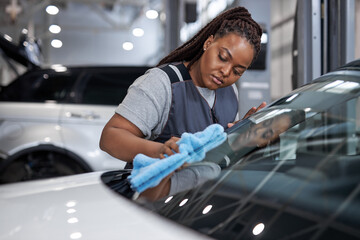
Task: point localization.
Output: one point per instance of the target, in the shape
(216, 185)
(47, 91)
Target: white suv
(51, 119)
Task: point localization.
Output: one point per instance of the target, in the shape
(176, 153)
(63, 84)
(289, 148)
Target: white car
(290, 171)
(78, 207)
(51, 118)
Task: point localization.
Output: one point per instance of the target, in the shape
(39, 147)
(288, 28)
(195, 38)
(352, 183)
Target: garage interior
(94, 32)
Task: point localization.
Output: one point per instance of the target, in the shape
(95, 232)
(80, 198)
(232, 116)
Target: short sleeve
(147, 102)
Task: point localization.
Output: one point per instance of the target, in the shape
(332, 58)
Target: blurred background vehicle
(51, 118)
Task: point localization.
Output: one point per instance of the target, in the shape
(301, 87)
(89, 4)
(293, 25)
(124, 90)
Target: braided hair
(236, 20)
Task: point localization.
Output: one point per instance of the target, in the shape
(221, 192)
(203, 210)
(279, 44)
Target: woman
(190, 89)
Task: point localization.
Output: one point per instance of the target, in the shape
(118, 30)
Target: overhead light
(264, 38)
(59, 68)
(7, 37)
(215, 7)
(138, 32)
(128, 46)
(152, 14)
(56, 43)
(55, 29)
(52, 10)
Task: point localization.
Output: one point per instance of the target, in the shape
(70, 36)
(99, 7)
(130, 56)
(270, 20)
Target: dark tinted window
(39, 87)
(109, 88)
(55, 88)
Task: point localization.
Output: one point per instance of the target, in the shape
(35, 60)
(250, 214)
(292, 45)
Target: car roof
(354, 65)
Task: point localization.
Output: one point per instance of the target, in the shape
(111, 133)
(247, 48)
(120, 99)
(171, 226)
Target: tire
(39, 165)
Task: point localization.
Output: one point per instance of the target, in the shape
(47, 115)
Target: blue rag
(148, 172)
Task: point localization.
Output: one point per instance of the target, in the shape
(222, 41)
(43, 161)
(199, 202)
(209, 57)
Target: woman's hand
(169, 147)
(249, 113)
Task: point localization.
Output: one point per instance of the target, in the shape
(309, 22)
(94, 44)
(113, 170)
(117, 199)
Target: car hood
(79, 207)
(27, 52)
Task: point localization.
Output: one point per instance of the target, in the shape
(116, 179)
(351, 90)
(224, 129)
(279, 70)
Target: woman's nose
(226, 69)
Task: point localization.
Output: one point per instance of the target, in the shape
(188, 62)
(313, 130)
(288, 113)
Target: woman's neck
(194, 72)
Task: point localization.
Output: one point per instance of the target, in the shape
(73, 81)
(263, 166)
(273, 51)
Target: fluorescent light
(52, 10)
(7, 37)
(55, 29)
(56, 43)
(264, 38)
(152, 14)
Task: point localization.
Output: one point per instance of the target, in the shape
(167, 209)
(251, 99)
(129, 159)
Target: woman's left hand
(249, 113)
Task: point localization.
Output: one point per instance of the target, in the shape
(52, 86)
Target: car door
(99, 92)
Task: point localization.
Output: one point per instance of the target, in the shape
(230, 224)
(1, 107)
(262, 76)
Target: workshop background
(141, 32)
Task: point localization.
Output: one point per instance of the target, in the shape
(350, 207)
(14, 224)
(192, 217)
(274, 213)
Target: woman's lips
(217, 80)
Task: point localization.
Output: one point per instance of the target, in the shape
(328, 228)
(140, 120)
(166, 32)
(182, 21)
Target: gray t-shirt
(148, 101)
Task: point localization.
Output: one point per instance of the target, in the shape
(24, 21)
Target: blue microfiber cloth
(148, 172)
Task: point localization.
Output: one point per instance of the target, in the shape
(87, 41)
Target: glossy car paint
(74, 128)
(78, 207)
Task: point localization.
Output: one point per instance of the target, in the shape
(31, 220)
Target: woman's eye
(222, 58)
(237, 73)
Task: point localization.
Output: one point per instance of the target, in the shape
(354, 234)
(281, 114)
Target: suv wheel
(39, 165)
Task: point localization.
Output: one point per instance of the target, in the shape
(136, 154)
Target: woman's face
(224, 60)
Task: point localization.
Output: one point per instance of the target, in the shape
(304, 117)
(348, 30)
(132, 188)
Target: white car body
(74, 128)
(79, 207)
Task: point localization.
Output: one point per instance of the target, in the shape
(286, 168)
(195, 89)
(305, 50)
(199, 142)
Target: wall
(282, 27)
(357, 29)
(254, 85)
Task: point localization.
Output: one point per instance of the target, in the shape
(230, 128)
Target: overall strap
(172, 74)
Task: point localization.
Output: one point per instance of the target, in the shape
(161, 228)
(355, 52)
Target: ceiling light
(52, 10)
(138, 32)
(152, 14)
(56, 43)
(264, 38)
(55, 29)
(7, 37)
(128, 46)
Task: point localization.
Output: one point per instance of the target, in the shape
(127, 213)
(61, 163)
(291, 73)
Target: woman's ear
(208, 42)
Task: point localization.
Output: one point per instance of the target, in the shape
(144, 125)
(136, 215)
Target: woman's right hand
(169, 147)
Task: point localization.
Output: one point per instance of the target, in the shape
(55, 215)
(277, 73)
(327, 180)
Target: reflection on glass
(183, 202)
(168, 199)
(258, 229)
(70, 204)
(207, 209)
(73, 220)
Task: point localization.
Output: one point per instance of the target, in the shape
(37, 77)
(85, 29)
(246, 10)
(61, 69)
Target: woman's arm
(123, 140)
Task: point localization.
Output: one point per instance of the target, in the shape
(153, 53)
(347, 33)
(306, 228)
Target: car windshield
(291, 170)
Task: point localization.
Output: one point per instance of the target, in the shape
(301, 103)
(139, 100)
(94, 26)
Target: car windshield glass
(290, 171)
(294, 164)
